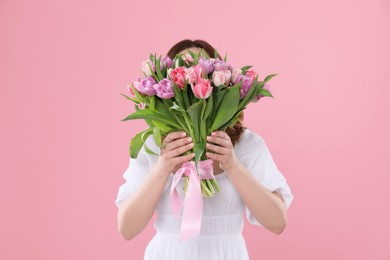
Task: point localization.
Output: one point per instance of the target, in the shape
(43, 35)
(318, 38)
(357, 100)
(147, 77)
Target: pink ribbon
(193, 201)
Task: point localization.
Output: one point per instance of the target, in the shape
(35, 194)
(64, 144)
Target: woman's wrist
(160, 170)
(234, 168)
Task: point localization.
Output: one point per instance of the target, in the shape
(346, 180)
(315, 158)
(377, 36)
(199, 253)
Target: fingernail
(212, 133)
(183, 133)
(189, 139)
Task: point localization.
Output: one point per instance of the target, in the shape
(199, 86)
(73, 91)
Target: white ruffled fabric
(222, 221)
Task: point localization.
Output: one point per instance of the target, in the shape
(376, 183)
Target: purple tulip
(245, 86)
(146, 86)
(221, 65)
(206, 64)
(166, 61)
(164, 89)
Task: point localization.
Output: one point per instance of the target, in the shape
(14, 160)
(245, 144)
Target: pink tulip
(202, 88)
(187, 57)
(221, 77)
(146, 69)
(135, 84)
(251, 74)
(178, 75)
(236, 72)
(193, 73)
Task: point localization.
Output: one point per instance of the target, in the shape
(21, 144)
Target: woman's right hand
(173, 145)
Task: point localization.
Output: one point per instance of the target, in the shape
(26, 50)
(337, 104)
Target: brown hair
(235, 131)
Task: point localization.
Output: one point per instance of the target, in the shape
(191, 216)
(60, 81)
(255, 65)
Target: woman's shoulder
(249, 137)
(249, 144)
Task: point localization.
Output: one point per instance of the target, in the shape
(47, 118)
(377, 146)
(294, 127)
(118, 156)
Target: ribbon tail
(193, 207)
(176, 203)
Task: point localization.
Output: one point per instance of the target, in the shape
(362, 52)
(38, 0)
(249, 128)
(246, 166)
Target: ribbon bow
(193, 201)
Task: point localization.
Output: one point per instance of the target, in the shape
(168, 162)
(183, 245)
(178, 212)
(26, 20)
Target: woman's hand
(173, 145)
(221, 144)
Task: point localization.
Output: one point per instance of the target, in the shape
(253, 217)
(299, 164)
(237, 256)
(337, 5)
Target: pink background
(64, 148)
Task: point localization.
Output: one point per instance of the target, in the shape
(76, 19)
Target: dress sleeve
(134, 175)
(258, 160)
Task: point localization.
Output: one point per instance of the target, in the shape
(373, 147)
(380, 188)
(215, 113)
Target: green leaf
(178, 94)
(176, 107)
(269, 77)
(158, 70)
(138, 141)
(139, 95)
(203, 121)
(227, 108)
(244, 69)
(147, 114)
(181, 61)
(197, 54)
(130, 98)
(145, 136)
(194, 113)
(157, 136)
(217, 99)
(230, 123)
(225, 59)
(215, 54)
(185, 96)
(209, 107)
(164, 128)
(149, 151)
(198, 150)
(136, 144)
(152, 71)
(152, 103)
(162, 107)
(265, 92)
(204, 53)
(191, 53)
(149, 122)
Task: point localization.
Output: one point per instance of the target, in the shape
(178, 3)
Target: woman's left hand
(221, 144)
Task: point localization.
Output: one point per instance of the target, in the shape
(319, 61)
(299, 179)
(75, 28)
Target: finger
(214, 156)
(179, 150)
(178, 143)
(174, 135)
(219, 140)
(171, 137)
(184, 158)
(220, 133)
(216, 148)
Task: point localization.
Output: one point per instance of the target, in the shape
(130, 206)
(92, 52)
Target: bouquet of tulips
(192, 93)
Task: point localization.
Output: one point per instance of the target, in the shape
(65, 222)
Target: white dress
(222, 221)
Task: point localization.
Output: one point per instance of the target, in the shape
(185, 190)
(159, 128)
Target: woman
(246, 174)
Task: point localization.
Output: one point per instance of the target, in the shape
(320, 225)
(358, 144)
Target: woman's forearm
(135, 213)
(265, 206)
